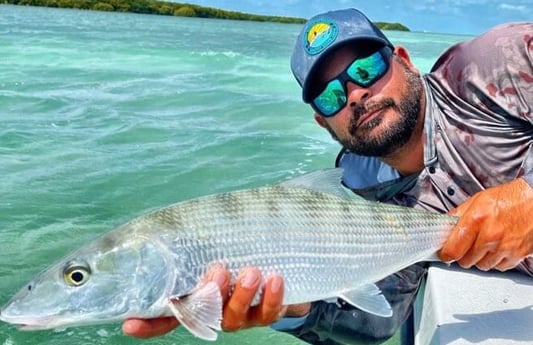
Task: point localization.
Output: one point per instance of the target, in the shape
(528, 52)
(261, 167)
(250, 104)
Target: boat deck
(458, 307)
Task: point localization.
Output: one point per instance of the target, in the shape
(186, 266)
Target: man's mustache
(363, 108)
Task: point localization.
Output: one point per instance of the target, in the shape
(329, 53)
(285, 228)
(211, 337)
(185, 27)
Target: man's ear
(320, 120)
(403, 54)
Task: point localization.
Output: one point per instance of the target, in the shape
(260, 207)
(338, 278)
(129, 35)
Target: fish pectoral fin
(368, 298)
(200, 312)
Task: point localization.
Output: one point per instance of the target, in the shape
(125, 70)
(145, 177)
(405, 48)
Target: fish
(325, 241)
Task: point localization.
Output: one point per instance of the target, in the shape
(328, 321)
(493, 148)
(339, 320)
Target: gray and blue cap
(324, 33)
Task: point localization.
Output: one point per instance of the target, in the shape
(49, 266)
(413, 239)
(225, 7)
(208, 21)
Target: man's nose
(356, 94)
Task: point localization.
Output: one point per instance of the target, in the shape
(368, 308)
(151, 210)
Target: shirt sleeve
(332, 323)
(501, 84)
(526, 266)
(487, 87)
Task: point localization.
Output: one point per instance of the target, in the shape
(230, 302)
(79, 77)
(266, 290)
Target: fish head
(107, 280)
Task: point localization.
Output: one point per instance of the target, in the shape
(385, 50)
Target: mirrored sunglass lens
(331, 99)
(367, 70)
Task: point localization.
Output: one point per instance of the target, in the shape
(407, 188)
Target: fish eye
(76, 275)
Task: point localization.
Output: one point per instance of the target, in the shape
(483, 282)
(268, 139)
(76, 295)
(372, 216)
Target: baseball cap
(326, 32)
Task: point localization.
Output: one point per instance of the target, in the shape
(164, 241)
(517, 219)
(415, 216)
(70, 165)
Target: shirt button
(450, 191)
(431, 170)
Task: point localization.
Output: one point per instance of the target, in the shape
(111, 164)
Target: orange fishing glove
(495, 228)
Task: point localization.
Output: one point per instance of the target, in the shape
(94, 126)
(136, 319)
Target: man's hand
(147, 328)
(237, 313)
(495, 228)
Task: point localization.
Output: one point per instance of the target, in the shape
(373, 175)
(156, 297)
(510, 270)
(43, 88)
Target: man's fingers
(463, 235)
(236, 309)
(221, 277)
(268, 311)
(147, 328)
(458, 243)
(483, 255)
(507, 264)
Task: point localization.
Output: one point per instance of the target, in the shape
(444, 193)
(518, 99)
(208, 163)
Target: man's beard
(394, 137)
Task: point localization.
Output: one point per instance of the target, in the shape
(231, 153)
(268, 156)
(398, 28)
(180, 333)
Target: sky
(469, 17)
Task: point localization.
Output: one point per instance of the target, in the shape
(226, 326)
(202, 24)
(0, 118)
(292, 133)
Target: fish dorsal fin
(200, 312)
(324, 181)
(368, 298)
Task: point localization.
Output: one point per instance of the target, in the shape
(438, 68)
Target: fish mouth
(29, 323)
(48, 322)
(27, 326)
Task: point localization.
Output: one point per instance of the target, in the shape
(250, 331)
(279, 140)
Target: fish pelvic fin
(324, 181)
(368, 298)
(200, 312)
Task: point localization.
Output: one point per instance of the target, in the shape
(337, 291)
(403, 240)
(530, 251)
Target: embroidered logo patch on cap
(319, 35)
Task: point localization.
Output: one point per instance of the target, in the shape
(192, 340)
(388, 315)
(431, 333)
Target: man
(457, 140)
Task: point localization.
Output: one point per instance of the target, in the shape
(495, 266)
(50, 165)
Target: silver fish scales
(326, 244)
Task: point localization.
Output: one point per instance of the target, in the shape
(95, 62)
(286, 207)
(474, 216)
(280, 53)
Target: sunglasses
(362, 71)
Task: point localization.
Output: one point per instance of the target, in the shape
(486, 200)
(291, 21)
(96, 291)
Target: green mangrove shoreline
(171, 9)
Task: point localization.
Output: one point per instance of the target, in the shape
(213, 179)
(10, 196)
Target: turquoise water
(105, 116)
